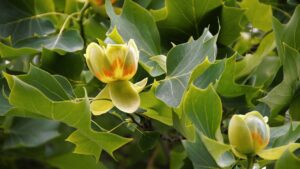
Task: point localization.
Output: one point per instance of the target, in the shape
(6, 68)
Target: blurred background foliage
(47, 39)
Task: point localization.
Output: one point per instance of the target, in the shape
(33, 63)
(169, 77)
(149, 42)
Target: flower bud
(116, 62)
(248, 134)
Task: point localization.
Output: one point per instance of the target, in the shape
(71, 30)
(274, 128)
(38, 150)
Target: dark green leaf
(69, 65)
(67, 41)
(230, 22)
(281, 96)
(285, 135)
(294, 108)
(287, 33)
(227, 86)
(19, 20)
(179, 21)
(211, 75)
(30, 132)
(199, 154)
(4, 105)
(148, 140)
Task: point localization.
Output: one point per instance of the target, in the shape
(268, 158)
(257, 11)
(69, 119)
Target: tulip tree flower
(115, 65)
(248, 134)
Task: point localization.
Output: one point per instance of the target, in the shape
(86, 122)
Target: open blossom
(115, 65)
(114, 62)
(248, 134)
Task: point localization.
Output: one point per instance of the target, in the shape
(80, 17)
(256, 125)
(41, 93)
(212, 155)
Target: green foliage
(50, 100)
(200, 63)
(17, 15)
(290, 159)
(74, 161)
(204, 109)
(23, 132)
(148, 140)
(181, 62)
(282, 94)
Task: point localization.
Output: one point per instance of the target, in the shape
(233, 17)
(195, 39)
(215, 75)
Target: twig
(81, 16)
(37, 16)
(63, 27)
(96, 124)
(151, 160)
(119, 125)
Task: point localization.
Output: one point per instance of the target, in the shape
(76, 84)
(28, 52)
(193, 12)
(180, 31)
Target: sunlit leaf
(259, 14)
(74, 161)
(47, 98)
(289, 159)
(204, 109)
(155, 108)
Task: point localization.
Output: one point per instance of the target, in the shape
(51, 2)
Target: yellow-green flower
(248, 134)
(115, 65)
(114, 62)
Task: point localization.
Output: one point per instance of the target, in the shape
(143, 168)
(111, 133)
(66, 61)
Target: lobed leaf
(182, 60)
(47, 98)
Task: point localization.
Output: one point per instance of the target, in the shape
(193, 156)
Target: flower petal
(131, 61)
(116, 55)
(139, 86)
(124, 96)
(259, 130)
(101, 103)
(240, 136)
(96, 61)
(132, 47)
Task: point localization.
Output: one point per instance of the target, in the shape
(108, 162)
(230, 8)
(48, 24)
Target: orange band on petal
(120, 62)
(128, 70)
(113, 62)
(98, 75)
(108, 73)
(117, 63)
(257, 137)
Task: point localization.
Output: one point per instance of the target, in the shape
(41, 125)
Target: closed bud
(248, 134)
(115, 62)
